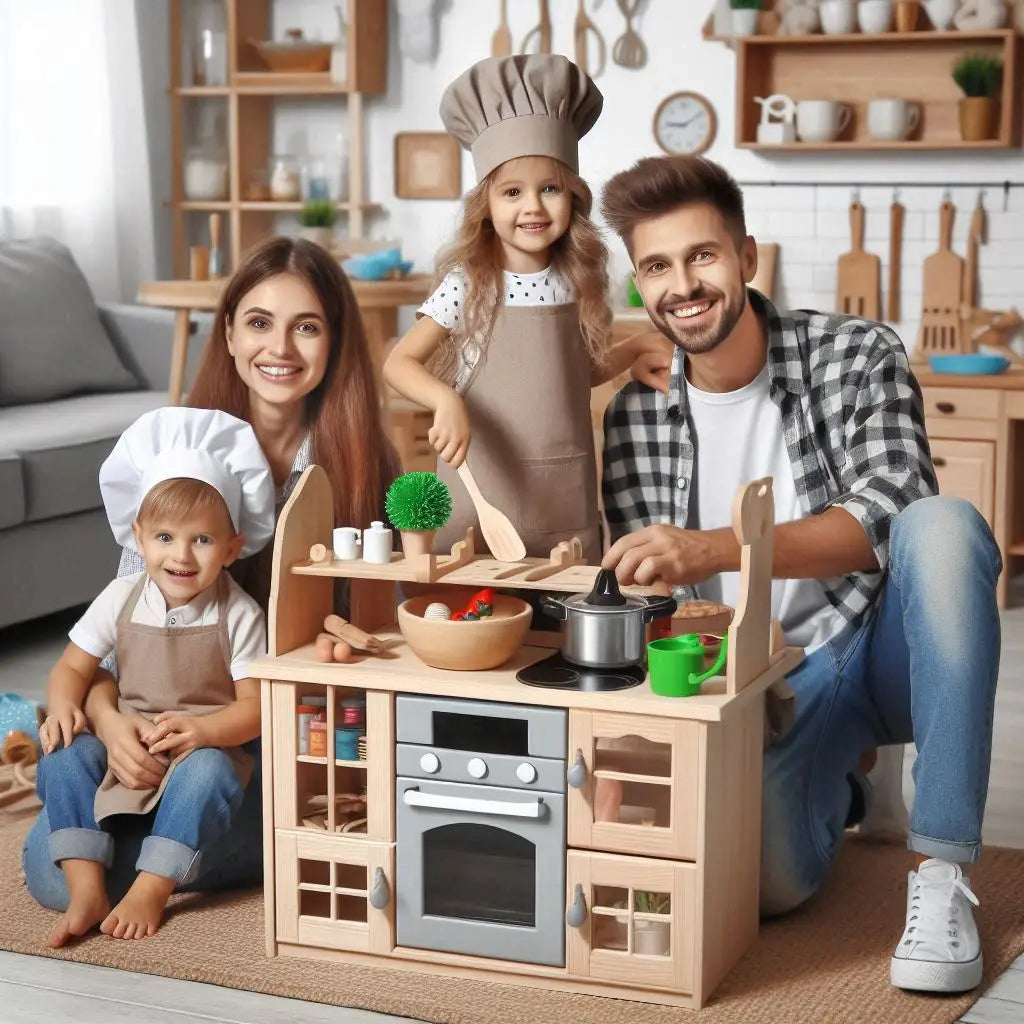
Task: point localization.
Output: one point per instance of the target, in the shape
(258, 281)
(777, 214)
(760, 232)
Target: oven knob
(526, 772)
(477, 767)
(429, 762)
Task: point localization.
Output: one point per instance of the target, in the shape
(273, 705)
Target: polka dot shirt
(545, 288)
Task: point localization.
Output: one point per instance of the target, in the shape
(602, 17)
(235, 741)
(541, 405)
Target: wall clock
(685, 122)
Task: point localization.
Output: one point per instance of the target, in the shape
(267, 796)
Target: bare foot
(139, 914)
(87, 901)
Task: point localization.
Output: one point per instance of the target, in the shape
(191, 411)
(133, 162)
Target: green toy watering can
(674, 665)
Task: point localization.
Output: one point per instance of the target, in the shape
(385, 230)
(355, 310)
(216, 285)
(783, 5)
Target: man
(888, 587)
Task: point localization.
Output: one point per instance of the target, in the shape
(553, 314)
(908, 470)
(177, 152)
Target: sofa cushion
(12, 490)
(52, 342)
(62, 445)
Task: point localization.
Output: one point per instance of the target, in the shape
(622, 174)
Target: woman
(288, 354)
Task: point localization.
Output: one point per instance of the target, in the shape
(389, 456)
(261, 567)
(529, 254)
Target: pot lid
(605, 597)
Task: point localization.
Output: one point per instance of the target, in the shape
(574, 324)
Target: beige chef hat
(537, 104)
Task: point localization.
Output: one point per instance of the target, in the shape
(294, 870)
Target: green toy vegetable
(418, 501)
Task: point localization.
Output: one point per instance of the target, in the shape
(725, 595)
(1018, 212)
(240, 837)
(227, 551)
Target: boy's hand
(449, 433)
(652, 361)
(127, 757)
(177, 734)
(64, 722)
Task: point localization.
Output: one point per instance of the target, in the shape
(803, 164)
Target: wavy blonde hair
(579, 257)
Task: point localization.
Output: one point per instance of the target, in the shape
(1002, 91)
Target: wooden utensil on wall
(896, 213)
(580, 30)
(943, 287)
(857, 285)
(501, 41)
(542, 32)
(975, 239)
(629, 50)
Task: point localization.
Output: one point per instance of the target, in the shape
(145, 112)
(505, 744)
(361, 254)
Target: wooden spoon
(501, 41)
(500, 535)
(896, 212)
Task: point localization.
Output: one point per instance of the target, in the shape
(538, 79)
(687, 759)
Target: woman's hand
(449, 433)
(175, 734)
(64, 722)
(127, 756)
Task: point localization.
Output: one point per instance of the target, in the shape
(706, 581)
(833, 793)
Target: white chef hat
(197, 444)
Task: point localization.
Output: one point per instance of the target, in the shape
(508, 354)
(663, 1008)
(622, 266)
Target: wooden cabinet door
(638, 922)
(967, 469)
(334, 892)
(638, 786)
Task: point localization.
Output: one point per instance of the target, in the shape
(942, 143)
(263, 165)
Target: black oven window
(480, 873)
(482, 734)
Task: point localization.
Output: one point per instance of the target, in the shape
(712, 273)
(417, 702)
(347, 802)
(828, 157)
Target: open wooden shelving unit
(859, 67)
(249, 99)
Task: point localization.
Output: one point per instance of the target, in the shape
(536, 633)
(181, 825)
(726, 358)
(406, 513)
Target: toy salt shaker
(346, 543)
(377, 543)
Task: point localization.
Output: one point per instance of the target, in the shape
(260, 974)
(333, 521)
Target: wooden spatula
(975, 239)
(896, 213)
(857, 286)
(943, 284)
(499, 534)
(501, 41)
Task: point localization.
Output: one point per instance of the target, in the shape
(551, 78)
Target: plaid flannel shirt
(852, 417)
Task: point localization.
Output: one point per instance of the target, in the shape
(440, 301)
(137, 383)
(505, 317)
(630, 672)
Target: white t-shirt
(740, 438)
(96, 631)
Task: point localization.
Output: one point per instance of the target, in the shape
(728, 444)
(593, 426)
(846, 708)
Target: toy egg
(437, 610)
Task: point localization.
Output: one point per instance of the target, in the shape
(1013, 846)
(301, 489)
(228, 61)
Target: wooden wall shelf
(857, 68)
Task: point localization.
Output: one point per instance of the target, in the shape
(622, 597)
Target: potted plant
(980, 77)
(317, 218)
(418, 505)
(745, 15)
(652, 938)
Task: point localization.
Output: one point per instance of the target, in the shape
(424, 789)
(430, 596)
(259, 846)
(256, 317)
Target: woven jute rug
(825, 964)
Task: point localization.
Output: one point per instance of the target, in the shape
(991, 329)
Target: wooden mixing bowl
(465, 646)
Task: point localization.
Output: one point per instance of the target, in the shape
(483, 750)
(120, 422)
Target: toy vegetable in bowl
(418, 505)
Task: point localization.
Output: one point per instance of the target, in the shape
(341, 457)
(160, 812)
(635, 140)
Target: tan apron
(186, 670)
(532, 447)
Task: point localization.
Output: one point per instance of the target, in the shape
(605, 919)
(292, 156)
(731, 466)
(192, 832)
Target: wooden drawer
(967, 469)
(961, 412)
(639, 788)
(639, 920)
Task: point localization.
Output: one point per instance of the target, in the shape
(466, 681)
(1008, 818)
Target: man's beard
(699, 339)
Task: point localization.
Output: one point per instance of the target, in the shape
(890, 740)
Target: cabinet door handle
(576, 776)
(939, 461)
(946, 407)
(380, 894)
(577, 912)
(473, 805)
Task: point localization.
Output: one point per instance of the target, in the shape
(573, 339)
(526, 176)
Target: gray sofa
(73, 376)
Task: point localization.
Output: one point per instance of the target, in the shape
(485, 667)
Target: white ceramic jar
(874, 16)
(377, 543)
(838, 17)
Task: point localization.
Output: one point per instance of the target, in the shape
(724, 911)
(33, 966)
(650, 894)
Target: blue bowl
(375, 265)
(976, 362)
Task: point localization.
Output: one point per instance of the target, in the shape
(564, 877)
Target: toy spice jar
(318, 734)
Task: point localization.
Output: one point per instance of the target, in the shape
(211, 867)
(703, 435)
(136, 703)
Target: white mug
(838, 17)
(821, 120)
(377, 543)
(874, 16)
(891, 120)
(346, 543)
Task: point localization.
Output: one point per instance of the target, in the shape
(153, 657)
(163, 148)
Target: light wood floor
(39, 990)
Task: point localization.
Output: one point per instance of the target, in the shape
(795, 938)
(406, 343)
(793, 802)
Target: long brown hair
(342, 413)
(579, 257)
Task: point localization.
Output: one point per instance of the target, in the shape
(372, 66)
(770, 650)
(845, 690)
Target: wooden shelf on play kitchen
(856, 68)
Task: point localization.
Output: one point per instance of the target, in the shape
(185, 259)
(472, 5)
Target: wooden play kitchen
(604, 842)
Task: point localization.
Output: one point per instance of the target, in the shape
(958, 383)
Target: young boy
(192, 489)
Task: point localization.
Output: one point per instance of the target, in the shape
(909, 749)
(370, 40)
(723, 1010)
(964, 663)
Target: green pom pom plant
(418, 505)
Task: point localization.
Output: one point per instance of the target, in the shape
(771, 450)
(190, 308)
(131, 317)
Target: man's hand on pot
(665, 553)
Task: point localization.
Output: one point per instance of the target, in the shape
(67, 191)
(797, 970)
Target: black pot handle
(658, 607)
(554, 608)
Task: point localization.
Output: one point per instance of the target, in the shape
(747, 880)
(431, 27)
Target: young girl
(192, 490)
(517, 330)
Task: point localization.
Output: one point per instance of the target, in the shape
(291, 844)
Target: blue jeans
(205, 832)
(922, 666)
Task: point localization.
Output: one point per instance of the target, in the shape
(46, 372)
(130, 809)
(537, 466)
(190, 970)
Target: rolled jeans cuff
(82, 844)
(944, 849)
(169, 859)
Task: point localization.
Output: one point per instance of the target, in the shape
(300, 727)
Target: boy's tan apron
(167, 669)
(532, 446)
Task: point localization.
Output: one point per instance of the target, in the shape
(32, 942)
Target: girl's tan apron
(169, 669)
(532, 446)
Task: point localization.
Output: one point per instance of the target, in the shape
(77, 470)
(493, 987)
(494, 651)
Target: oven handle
(414, 798)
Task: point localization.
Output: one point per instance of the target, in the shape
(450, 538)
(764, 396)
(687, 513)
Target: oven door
(481, 870)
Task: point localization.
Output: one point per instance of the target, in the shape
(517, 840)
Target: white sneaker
(939, 950)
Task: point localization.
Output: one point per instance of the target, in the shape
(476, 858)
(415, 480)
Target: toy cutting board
(943, 292)
(857, 285)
